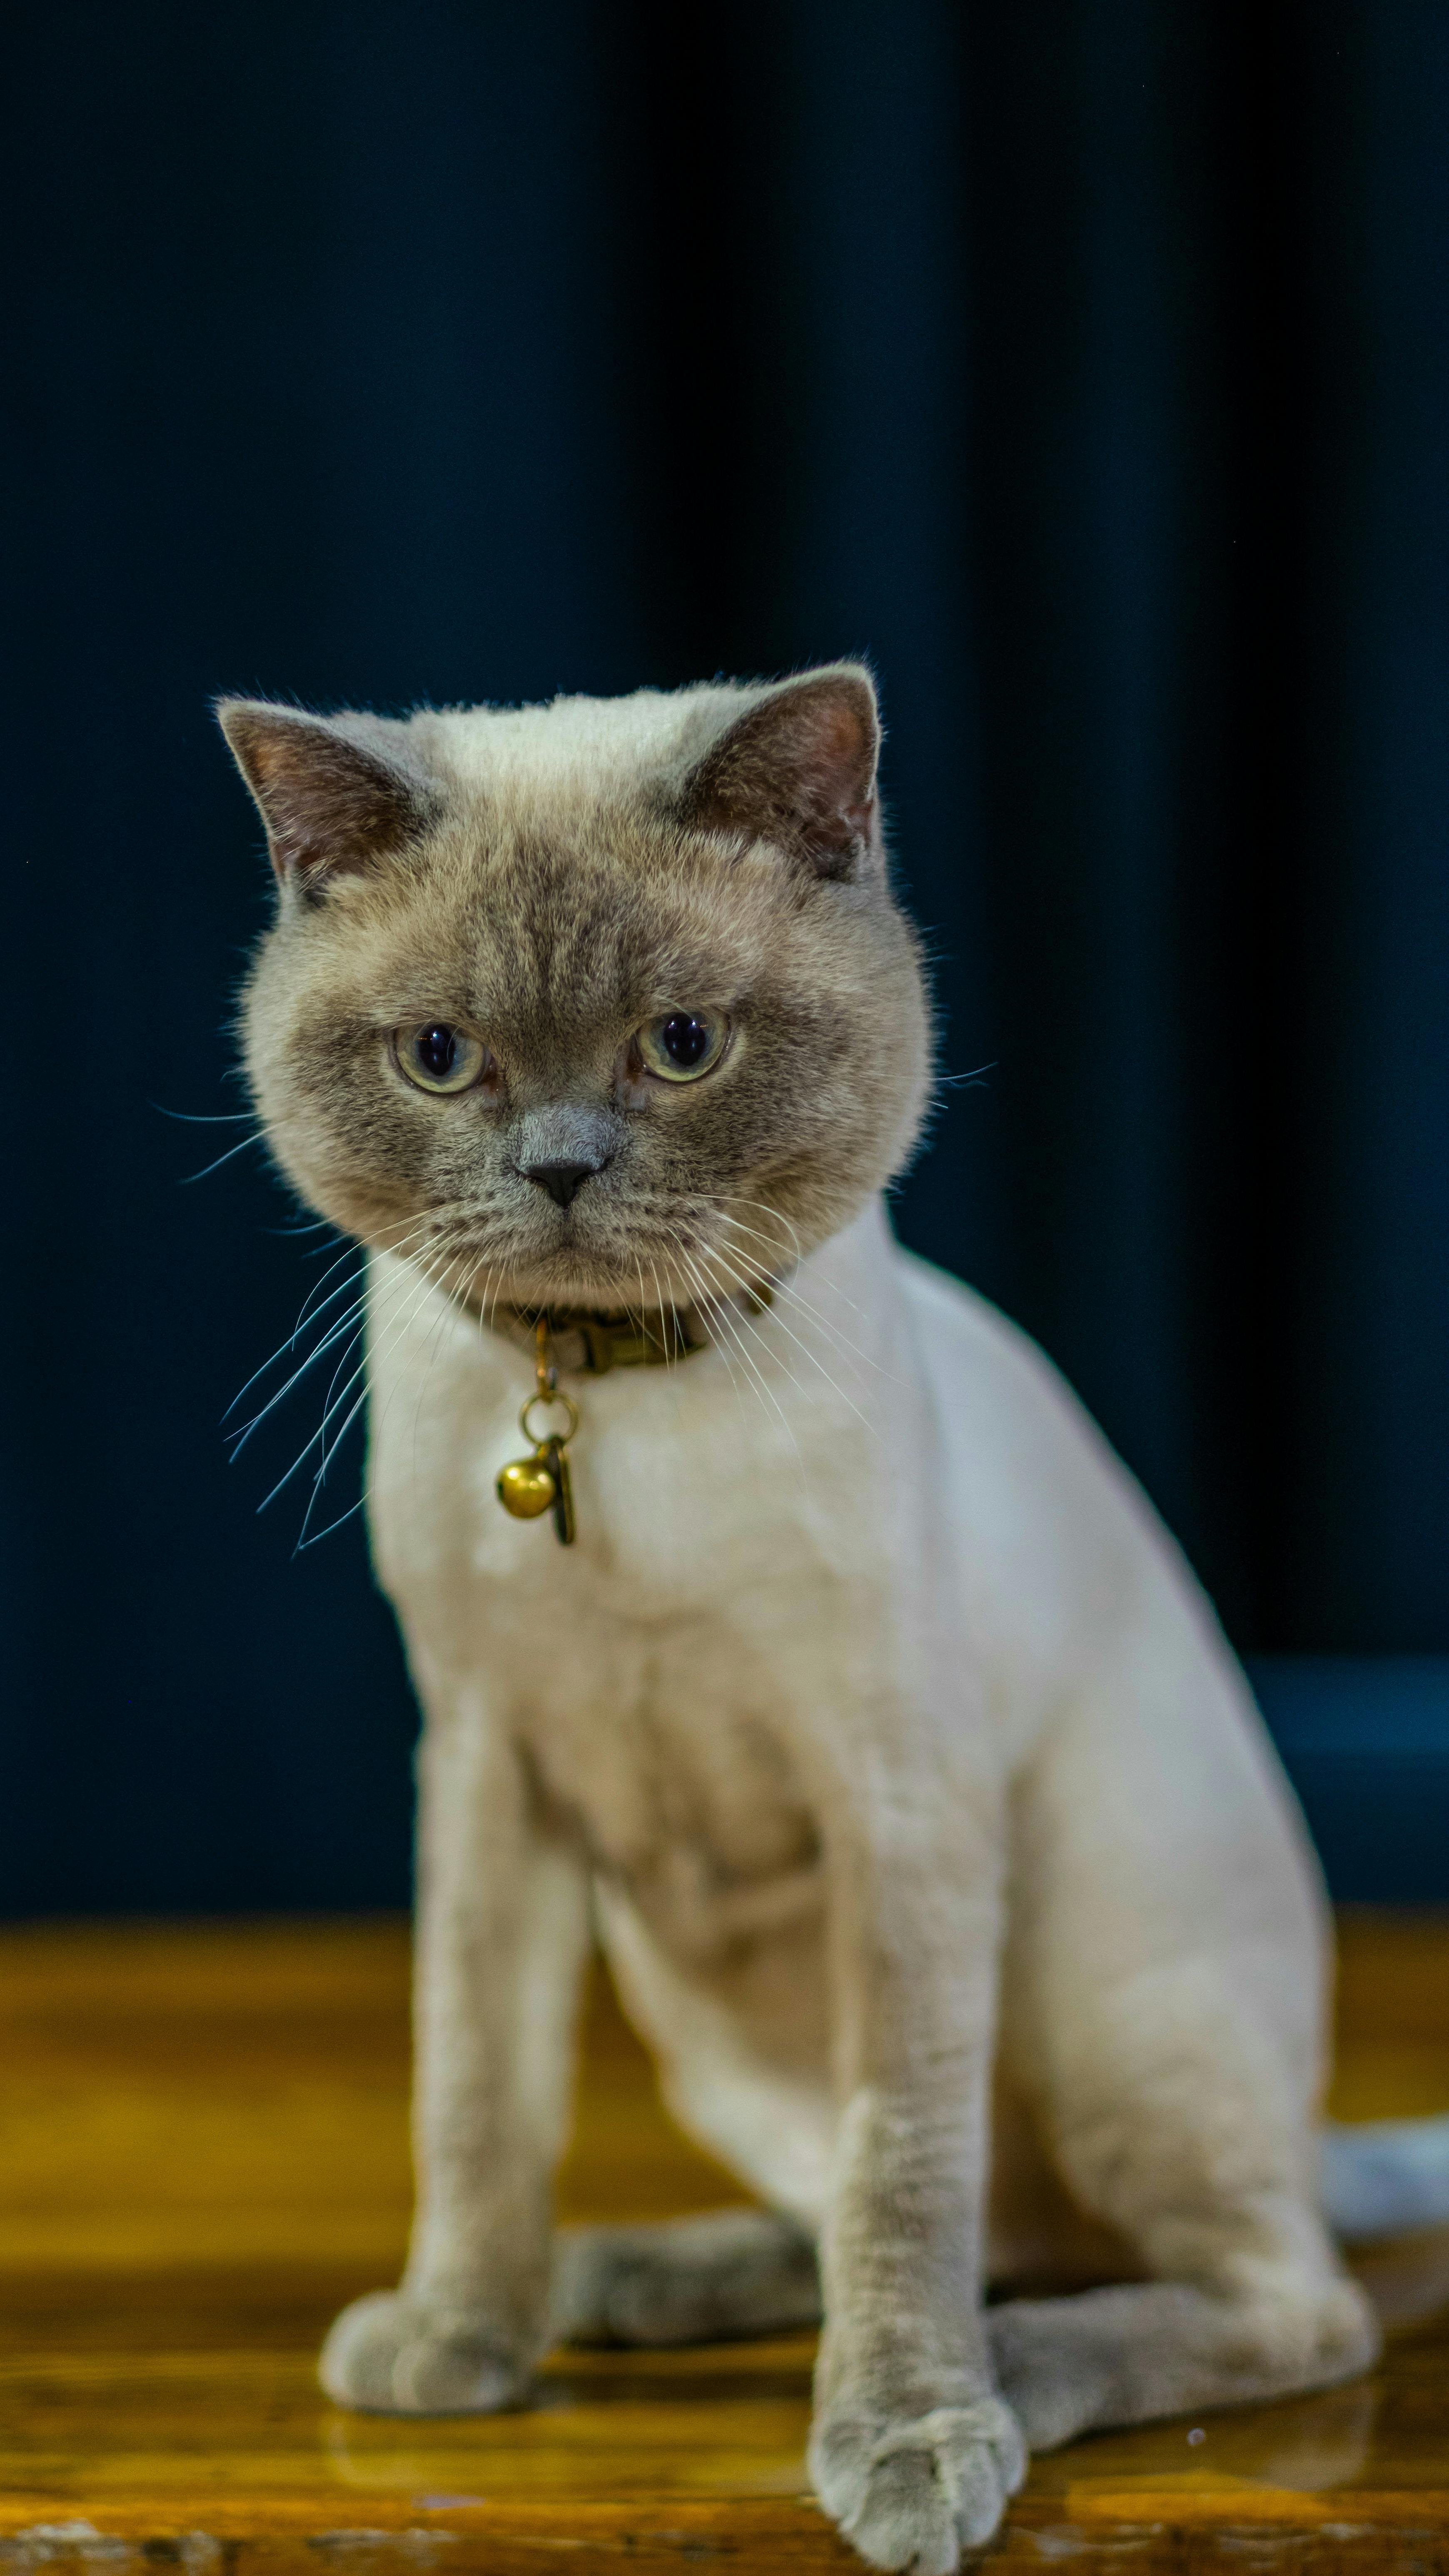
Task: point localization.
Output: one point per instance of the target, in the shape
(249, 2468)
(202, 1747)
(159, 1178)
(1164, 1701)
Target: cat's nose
(564, 1143)
(563, 1181)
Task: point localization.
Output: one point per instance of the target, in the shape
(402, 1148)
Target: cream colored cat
(872, 1719)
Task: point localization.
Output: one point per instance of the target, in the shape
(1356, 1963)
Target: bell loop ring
(549, 1402)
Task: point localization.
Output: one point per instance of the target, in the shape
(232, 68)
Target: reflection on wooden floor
(203, 2152)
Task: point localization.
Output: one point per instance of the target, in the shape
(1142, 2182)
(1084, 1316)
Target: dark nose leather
(563, 1181)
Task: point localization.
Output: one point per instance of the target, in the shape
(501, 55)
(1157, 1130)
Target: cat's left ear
(799, 769)
(336, 793)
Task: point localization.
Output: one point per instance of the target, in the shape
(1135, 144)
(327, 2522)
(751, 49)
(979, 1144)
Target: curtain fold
(1085, 363)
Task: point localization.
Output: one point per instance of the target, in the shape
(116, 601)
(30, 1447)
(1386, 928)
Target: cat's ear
(798, 768)
(334, 794)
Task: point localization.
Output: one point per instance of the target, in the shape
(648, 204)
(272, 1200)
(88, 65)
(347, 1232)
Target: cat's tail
(1384, 2177)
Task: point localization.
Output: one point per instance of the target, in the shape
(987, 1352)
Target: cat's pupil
(684, 1038)
(437, 1051)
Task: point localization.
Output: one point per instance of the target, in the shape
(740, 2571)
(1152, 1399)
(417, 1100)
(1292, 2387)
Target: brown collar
(584, 1340)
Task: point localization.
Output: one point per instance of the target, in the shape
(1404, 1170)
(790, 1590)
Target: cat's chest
(685, 1796)
(688, 1504)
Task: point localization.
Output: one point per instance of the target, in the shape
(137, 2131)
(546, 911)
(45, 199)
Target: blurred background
(1084, 363)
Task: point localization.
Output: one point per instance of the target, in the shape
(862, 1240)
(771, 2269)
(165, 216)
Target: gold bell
(528, 1487)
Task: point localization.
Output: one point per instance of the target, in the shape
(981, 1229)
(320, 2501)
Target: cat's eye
(441, 1057)
(681, 1045)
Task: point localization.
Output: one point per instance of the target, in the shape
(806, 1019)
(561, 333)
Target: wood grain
(203, 2151)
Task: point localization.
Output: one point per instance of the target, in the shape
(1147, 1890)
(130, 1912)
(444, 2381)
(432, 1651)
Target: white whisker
(362, 1371)
(788, 1292)
(208, 1117)
(208, 1168)
(335, 1332)
(718, 1207)
(740, 1281)
(730, 1319)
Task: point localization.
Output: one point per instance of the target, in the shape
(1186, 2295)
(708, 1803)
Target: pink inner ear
(845, 738)
(844, 762)
(329, 806)
(798, 769)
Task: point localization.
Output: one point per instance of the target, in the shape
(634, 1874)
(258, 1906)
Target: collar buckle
(630, 1343)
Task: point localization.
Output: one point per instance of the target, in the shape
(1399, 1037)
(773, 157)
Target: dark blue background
(1086, 363)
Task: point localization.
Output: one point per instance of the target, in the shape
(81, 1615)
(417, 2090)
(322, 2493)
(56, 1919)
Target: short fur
(879, 1728)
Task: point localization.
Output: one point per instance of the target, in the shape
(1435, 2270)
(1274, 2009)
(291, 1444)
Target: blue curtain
(1086, 364)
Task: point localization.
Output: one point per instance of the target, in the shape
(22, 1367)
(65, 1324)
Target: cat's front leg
(912, 2450)
(502, 1937)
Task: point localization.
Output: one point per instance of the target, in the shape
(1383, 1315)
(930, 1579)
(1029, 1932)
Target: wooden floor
(203, 2153)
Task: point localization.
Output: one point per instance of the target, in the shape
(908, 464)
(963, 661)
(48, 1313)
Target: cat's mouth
(604, 1251)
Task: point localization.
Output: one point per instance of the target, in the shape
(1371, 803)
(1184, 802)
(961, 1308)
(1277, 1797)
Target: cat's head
(601, 1003)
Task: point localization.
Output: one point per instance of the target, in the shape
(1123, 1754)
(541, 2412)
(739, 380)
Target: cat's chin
(630, 1283)
(593, 1288)
(594, 1294)
(565, 1281)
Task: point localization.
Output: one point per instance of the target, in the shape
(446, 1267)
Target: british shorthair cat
(808, 1646)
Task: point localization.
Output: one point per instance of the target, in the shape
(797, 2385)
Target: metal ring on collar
(557, 1397)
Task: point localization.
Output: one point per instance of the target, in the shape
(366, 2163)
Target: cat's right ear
(331, 804)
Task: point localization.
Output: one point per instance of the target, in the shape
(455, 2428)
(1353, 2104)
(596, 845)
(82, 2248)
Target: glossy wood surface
(203, 2151)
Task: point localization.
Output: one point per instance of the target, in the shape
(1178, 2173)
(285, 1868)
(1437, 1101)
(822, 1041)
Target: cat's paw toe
(914, 2492)
(395, 2357)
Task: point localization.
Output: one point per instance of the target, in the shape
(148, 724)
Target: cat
(869, 1715)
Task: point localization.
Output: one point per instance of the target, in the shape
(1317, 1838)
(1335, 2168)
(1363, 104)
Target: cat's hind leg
(1165, 1997)
(1177, 2132)
(726, 2273)
(1154, 2348)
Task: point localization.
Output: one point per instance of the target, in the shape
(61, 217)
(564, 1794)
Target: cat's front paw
(395, 2356)
(915, 2491)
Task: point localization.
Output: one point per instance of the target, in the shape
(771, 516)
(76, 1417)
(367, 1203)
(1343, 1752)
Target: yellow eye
(440, 1057)
(681, 1045)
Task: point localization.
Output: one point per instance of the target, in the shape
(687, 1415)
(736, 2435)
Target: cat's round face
(604, 1004)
